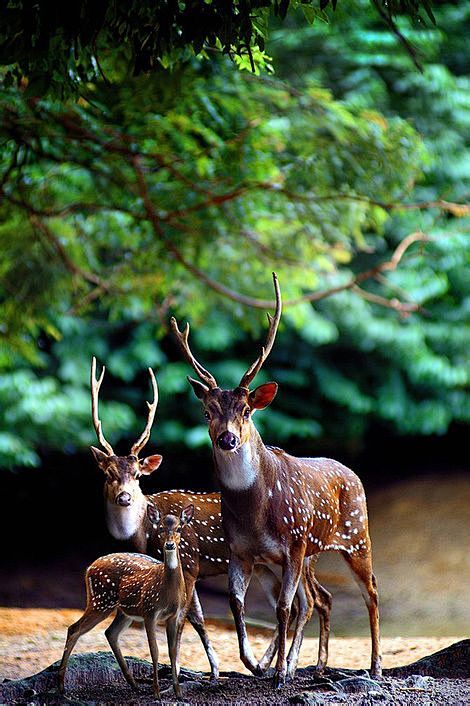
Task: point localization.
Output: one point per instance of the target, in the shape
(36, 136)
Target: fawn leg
(361, 566)
(89, 619)
(150, 629)
(196, 618)
(119, 624)
(174, 629)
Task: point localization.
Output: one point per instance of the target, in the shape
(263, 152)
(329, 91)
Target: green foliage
(59, 49)
(180, 193)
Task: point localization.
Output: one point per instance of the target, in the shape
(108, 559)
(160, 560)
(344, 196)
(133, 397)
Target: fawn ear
(263, 395)
(187, 515)
(153, 514)
(150, 464)
(199, 388)
(100, 457)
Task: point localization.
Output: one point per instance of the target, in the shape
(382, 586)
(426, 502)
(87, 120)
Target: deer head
(228, 412)
(122, 473)
(169, 527)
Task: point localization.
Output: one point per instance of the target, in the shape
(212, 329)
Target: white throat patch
(171, 560)
(123, 522)
(238, 469)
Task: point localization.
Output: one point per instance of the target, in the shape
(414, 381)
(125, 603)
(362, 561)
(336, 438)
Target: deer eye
(246, 413)
(207, 416)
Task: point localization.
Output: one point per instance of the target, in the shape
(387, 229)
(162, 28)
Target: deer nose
(227, 441)
(123, 499)
(169, 546)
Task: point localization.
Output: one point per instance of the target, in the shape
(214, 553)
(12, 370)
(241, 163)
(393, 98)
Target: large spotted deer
(277, 508)
(141, 589)
(204, 551)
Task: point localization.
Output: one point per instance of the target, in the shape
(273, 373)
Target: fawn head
(122, 473)
(228, 412)
(169, 527)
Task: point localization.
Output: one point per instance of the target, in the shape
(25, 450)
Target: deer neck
(173, 576)
(125, 522)
(243, 470)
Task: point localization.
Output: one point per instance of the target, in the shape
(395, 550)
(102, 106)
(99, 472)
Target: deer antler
(95, 389)
(182, 337)
(254, 369)
(144, 437)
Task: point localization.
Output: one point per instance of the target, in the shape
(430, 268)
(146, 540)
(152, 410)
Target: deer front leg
(306, 603)
(149, 622)
(174, 628)
(271, 586)
(239, 575)
(290, 580)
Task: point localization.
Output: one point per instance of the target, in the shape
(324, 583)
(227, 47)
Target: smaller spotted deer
(142, 589)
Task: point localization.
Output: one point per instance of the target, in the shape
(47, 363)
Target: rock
(359, 685)
(416, 681)
(452, 662)
(84, 670)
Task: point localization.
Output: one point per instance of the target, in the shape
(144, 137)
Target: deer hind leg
(89, 619)
(322, 602)
(361, 566)
(196, 618)
(120, 623)
(150, 629)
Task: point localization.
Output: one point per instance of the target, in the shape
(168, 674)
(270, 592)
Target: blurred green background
(179, 191)
(296, 172)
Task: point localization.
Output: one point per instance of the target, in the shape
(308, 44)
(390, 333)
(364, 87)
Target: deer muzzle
(227, 441)
(123, 499)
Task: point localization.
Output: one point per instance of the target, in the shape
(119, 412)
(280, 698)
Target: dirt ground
(30, 640)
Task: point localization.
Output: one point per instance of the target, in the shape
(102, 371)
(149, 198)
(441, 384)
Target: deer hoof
(376, 671)
(279, 679)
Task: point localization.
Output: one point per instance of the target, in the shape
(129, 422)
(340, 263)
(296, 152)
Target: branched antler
(144, 437)
(95, 390)
(265, 351)
(182, 338)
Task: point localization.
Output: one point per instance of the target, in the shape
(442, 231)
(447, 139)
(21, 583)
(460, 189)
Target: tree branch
(216, 286)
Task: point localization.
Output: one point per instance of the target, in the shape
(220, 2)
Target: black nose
(227, 441)
(123, 499)
(169, 546)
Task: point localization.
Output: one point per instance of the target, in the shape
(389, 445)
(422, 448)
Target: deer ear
(153, 514)
(100, 457)
(263, 395)
(199, 388)
(150, 464)
(187, 515)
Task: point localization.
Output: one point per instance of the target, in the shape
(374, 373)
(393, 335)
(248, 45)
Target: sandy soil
(31, 639)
